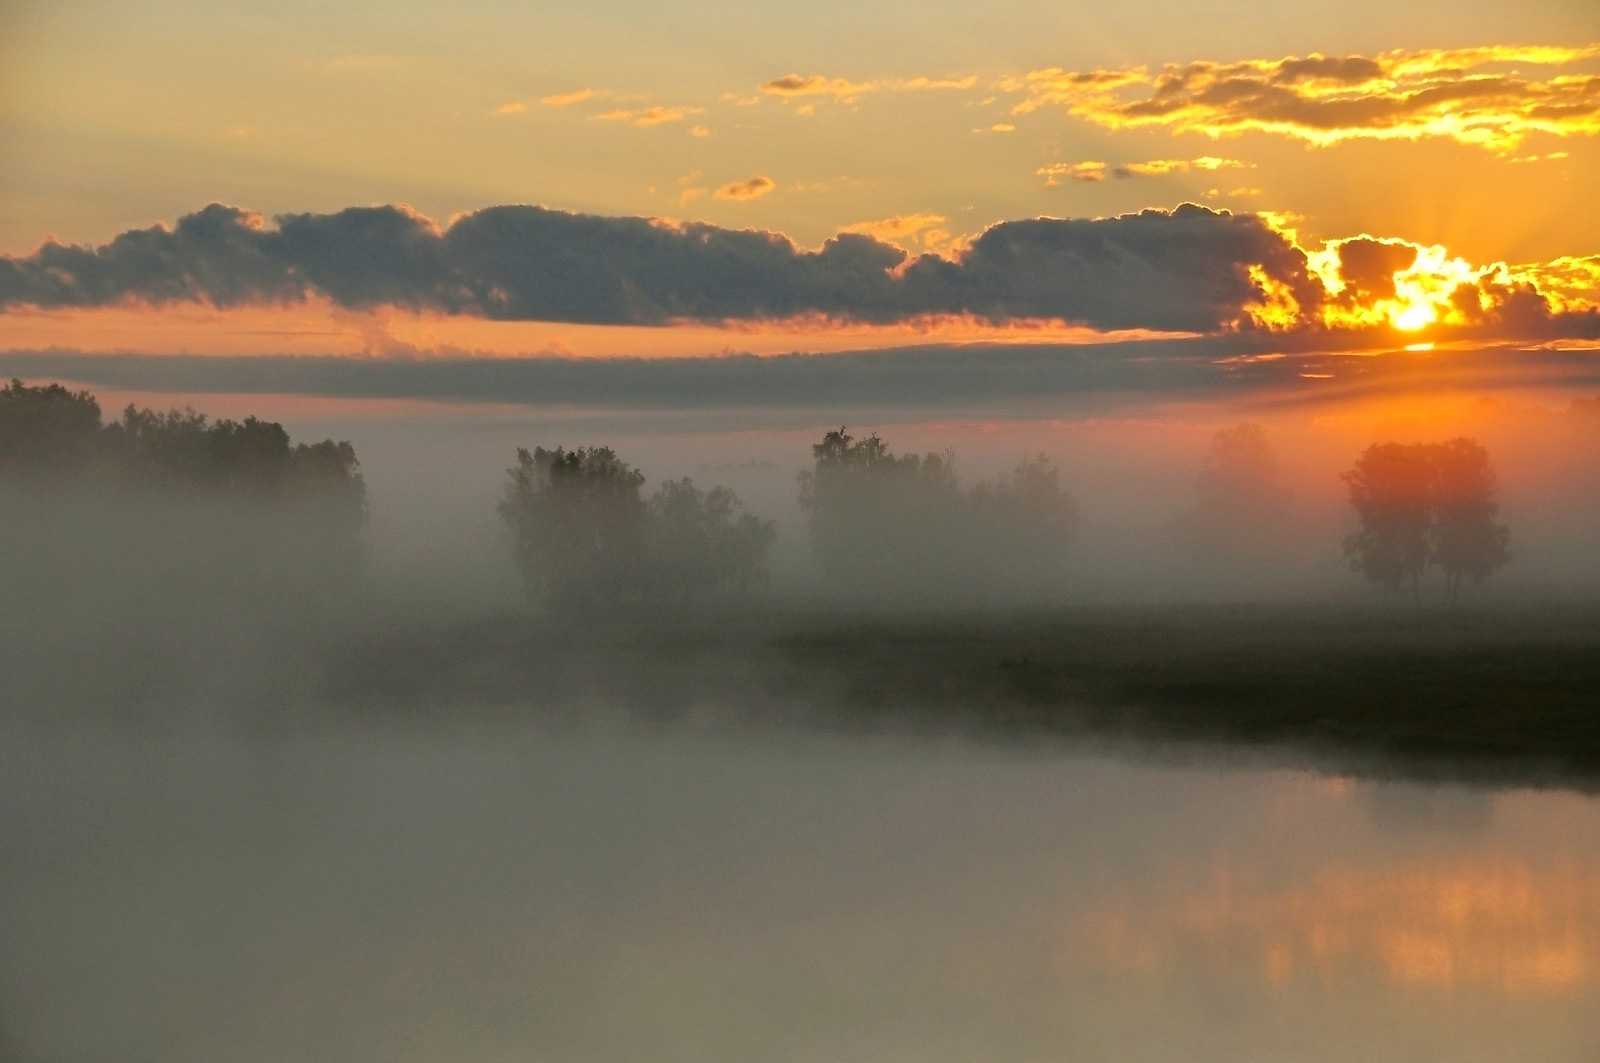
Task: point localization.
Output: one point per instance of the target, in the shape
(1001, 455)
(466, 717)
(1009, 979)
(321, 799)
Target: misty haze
(809, 533)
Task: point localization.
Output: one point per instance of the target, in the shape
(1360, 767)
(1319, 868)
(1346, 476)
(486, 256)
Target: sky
(707, 178)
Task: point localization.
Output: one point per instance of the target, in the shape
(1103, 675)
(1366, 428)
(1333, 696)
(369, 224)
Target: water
(507, 893)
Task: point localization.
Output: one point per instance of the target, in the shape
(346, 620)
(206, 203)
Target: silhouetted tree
(902, 524)
(46, 427)
(583, 535)
(878, 518)
(1242, 507)
(1026, 523)
(578, 524)
(1466, 539)
(700, 541)
(1422, 504)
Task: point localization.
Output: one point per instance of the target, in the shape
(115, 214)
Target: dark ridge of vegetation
(584, 537)
(1502, 695)
(49, 435)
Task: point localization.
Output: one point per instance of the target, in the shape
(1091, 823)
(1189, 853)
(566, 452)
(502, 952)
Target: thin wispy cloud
(645, 117)
(567, 99)
(1093, 170)
(1475, 96)
(846, 91)
(750, 188)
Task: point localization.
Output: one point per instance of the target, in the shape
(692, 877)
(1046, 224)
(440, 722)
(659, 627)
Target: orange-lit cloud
(1191, 269)
(750, 188)
(648, 116)
(1473, 96)
(567, 99)
(899, 228)
(1099, 171)
(846, 91)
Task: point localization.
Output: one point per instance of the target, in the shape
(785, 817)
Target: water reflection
(509, 894)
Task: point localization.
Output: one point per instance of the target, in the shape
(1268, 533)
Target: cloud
(649, 116)
(1099, 171)
(1190, 269)
(898, 228)
(846, 91)
(567, 99)
(514, 107)
(1471, 95)
(750, 188)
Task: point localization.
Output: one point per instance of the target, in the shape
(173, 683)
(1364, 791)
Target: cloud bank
(1190, 269)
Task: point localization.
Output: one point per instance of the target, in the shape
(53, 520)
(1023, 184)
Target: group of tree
(55, 444)
(584, 536)
(51, 434)
(902, 525)
(1422, 505)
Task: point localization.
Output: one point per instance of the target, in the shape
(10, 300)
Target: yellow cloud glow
(1467, 95)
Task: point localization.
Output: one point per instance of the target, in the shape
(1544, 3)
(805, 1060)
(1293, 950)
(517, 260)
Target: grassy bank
(1511, 691)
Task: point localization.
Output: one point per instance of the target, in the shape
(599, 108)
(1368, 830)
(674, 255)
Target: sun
(1412, 316)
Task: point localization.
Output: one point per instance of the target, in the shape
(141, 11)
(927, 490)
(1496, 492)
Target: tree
(1242, 508)
(1466, 540)
(1422, 504)
(903, 524)
(699, 541)
(877, 518)
(584, 536)
(578, 524)
(46, 427)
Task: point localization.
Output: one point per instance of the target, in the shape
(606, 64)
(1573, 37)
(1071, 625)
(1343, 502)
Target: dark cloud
(1191, 269)
(1057, 378)
(1188, 269)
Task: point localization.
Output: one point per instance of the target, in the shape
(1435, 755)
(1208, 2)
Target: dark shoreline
(1501, 694)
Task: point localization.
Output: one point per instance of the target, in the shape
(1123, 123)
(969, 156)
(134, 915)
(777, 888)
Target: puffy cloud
(750, 188)
(1187, 270)
(1470, 95)
(898, 228)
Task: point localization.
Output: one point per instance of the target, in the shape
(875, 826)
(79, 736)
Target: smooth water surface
(507, 893)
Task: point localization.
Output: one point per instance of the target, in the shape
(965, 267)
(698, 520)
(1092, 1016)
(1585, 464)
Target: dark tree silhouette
(46, 427)
(698, 540)
(578, 524)
(1466, 540)
(882, 523)
(1422, 504)
(583, 536)
(877, 518)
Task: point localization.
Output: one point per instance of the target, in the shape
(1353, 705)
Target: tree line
(584, 534)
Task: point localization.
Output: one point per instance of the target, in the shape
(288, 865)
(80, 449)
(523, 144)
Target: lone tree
(1422, 504)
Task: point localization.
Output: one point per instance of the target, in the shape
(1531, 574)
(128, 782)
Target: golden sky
(1458, 138)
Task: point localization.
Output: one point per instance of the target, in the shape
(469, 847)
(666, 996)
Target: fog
(265, 800)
